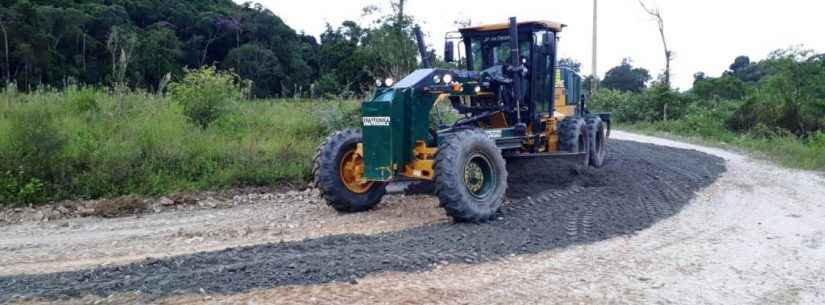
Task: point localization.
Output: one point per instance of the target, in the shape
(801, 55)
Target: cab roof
(542, 25)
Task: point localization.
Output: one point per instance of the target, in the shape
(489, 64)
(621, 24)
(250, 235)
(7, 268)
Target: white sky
(706, 35)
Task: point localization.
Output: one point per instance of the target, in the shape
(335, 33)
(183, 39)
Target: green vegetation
(98, 101)
(787, 150)
(86, 143)
(775, 107)
(138, 43)
(207, 94)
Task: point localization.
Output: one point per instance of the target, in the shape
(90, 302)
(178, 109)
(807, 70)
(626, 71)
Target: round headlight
(448, 78)
(436, 79)
(378, 83)
(389, 82)
(478, 89)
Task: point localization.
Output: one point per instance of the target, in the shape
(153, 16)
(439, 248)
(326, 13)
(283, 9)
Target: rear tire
(573, 137)
(598, 141)
(328, 179)
(471, 176)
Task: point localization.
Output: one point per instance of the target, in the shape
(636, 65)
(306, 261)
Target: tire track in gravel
(580, 221)
(551, 206)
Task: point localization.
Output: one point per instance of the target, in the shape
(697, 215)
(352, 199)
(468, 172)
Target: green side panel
(378, 127)
(392, 122)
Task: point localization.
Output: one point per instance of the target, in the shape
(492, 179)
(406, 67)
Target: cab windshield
(490, 51)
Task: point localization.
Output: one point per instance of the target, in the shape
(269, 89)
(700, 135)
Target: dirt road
(680, 224)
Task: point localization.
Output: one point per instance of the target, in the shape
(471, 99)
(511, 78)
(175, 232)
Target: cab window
(494, 50)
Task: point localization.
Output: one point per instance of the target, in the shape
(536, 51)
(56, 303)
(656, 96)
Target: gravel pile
(551, 206)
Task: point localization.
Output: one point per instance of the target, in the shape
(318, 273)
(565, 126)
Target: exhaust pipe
(422, 48)
(515, 62)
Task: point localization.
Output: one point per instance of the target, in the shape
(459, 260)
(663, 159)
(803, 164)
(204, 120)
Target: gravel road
(671, 224)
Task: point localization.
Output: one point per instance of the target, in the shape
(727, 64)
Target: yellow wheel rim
(352, 172)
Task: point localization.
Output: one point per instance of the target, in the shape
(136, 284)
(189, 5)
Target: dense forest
(139, 42)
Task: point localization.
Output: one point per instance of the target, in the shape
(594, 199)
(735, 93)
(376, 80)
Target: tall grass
(80, 143)
(786, 149)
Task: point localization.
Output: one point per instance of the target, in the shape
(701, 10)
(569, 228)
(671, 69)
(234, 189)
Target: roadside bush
(206, 94)
(623, 105)
(14, 189)
(725, 87)
(780, 113)
(339, 115)
(654, 104)
(704, 122)
(34, 140)
(660, 103)
(48, 151)
(31, 153)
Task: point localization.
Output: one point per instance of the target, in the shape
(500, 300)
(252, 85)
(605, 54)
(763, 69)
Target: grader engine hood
(394, 120)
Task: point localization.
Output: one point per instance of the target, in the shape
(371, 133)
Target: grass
(786, 150)
(87, 143)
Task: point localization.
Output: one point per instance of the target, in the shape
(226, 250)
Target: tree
(625, 77)
(571, 64)
(139, 42)
(739, 64)
(121, 44)
(258, 64)
(722, 88)
(746, 71)
(699, 76)
(6, 16)
(657, 14)
(392, 44)
(159, 52)
(589, 81)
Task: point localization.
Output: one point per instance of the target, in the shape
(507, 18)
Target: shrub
(32, 151)
(14, 189)
(83, 101)
(725, 87)
(623, 105)
(326, 86)
(35, 142)
(337, 116)
(206, 94)
(49, 152)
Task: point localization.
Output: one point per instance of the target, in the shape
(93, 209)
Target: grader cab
(514, 102)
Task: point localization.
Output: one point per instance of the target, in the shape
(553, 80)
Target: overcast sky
(706, 35)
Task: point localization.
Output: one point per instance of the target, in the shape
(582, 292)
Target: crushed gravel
(550, 207)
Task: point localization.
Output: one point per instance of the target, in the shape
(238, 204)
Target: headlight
(478, 89)
(436, 79)
(378, 83)
(448, 78)
(389, 82)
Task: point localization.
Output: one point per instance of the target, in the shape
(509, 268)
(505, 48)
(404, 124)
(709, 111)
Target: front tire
(471, 176)
(337, 171)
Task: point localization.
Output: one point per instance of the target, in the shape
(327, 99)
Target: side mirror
(449, 48)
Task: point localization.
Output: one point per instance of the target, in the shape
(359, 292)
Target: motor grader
(513, 99)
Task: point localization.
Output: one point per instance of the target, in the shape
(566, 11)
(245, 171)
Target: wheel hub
(478, 176)
(352, 172)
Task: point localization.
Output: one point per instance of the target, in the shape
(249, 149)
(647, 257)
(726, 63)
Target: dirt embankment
(550, 209)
